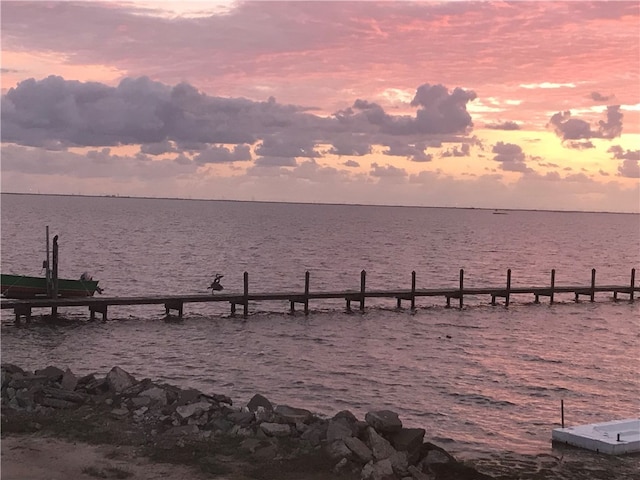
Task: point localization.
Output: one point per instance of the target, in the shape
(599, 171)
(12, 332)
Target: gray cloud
(463, 151)
(222, 154)
(275, 162)
(282, 146)
(598, 97)
(387, 171)
(629, 169)
(415, 152)
(510, 156)
(620, 154)
(438, 112)
(57, 114)
(569, 128)
(508, 125)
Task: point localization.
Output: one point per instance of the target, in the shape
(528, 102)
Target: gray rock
(69, 381)
(417, 474)
(241, 418)
(155, 394)
(436, 456)
(384, 421)
(293, 415)
(338, 449)
(259, 401)
(119, 380)
(399, 463)
(359, 448)
(190, 395)
(315, 433)
(276, 429)
(380, 447)
(382, 469)
(408, 440)
(186, 411)
(140, 401)
(53, 373)
(338, 429)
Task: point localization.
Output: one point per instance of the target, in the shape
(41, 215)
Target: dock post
(413, 290)
(593, 284)
(363, 281)
(307, 275)
(54, 292)
(246, 294)
(461, 286)
(553, 284)
(508, 292)
(633, 284)
(562, 411)
(48, 268)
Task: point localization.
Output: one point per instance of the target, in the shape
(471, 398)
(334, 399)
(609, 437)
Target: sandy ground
(29, 457)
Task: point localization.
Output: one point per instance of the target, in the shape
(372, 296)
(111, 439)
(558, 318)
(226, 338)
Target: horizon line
(503, 209)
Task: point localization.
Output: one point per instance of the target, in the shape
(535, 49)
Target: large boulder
(293, 415)
(119, 380)
(384, 421)
(408, 440)
(259, 401)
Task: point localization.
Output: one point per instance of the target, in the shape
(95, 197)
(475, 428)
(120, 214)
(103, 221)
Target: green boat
(21, 286)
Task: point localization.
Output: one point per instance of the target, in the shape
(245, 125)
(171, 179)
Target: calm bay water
(481, 378)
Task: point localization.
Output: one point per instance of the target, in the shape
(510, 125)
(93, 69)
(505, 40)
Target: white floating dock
(614, 438)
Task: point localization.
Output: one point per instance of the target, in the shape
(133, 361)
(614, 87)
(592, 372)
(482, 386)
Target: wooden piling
(54, 276)
(363, 281)
(461, 286)
(633, 282)
(246, 295)
(411, 296)
(508, 292)
(306, 292)
(305, 297)
(593, 284)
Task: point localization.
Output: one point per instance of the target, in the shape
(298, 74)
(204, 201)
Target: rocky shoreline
(257, 440)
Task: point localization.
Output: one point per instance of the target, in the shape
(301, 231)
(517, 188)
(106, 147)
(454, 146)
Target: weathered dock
(24, 307)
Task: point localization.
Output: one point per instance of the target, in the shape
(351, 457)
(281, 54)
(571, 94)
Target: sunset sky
(532, 105)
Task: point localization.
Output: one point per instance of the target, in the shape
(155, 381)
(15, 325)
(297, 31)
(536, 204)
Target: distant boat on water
(499, 212)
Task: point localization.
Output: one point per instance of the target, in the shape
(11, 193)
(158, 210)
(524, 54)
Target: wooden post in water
(508, 292)
(413, 290)
(47, 267)
(633, 284)
(363, 281)
(461, 286)
(246, 294)
(54, 292)
(292, 302)
(553, 284)
(593, 284)
(562, 411)
(306, 292)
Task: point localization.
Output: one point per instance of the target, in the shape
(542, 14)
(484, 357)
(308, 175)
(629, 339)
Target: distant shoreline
(274, 202)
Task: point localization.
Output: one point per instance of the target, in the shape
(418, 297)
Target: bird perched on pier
(215, 285)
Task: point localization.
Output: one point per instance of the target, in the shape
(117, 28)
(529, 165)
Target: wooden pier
(23, 307)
